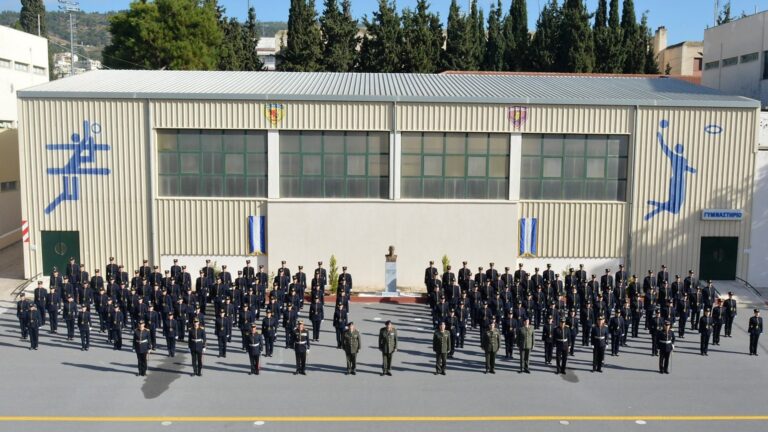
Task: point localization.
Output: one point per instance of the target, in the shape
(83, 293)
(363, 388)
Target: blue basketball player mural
(83, 148)
(677, 183)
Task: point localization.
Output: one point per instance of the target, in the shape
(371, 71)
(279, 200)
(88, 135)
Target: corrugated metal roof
(326, 86)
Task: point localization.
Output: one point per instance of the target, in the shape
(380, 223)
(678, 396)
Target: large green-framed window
(574, 167)
(212, 163)
(317, 164)
(455, 165)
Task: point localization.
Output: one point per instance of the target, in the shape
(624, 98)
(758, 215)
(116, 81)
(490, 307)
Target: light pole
(70, 6)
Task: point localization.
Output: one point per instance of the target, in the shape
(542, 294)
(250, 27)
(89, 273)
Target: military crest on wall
(274, 112)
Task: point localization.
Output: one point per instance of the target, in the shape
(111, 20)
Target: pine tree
(380, 49)
(251, 60)
(600, 35)
(339, 32)
(303, 51)
(494, 47)
(615, 59)
(476, 34)
(30, 10)
(456, 55)
(576, 43)
(651, 63)
(725, 15)
(544, 46)
(634, 58)
(517, 43)
(420, 52)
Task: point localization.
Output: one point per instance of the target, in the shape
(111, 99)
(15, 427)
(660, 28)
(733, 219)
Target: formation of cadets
(173, 305)
(509, 308)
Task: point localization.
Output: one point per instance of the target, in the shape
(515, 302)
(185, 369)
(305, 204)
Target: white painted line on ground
(564, 422)
(377, 319)
(166, 423)
(640, 422)
(258, 423)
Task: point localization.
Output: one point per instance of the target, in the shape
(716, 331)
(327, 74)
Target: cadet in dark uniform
(70, 315)
(755, 329)
(33, 326)
(666, 341)
(197, 342)
(316, 315)
(599, 335)
(221, 326)
(525, 342)
(301, 346)
(509, 328)
(655, 326)
(141, 345)
(730, 313)
(562, 336)
(616, 329)
(705, 330)
(84, 325)
(351, 345)
(169, 331)
(547, 336)
(717, 321)
(491, 347)
(573, 327)
(340, 317)
(269, 330)
(387, 346)
(254, 343)
(118, 321)
(441, 345)
(22, 313)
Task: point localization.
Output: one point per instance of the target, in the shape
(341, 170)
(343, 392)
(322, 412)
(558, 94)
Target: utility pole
(717, 12)
(71, 7)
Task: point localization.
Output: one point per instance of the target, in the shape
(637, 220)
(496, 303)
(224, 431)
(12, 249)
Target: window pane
(455, 188)
(235, 186)
(289, 142)
(595, 190)
(552, 145)
(552, 167)
(357, 188)
(356, 142)
(334, 164)
(378, 188)
(169, 163)
(210, 141)
(499, 144)
(189, 140)
(290, 187)
(531, 167)
(356, 165)
(378, 142)
(190, 163)
(477, 143)
(234, 141)
(378, 165)
(455, 143)
(411, 165)
(621, 191)
(573, 189)
(311, 142)
(551, 189)
(410, 143)
(433, 143)
(433, 188)
(190, 186)
(573, 167)
(596, 146)
(617, 146)
(334, 187)
(574, 145)
(256, 142)
(410, 188)
(311, 165)
(477, 188)
(213, 163)
(612, 168)
(169, 185)
(476, 166)
(531, 145)
(333, 142)
(289, 164)
(595, 168)
(257, 164)
(498, 167)
(311, 187)
(454, 166)
(257, 186)
(166, 140)
(498, 189)
(433, 165)
(212, 186)
(530, 189)
(234, 164)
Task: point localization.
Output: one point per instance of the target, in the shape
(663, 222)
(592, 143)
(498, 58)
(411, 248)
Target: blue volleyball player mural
(677, 183)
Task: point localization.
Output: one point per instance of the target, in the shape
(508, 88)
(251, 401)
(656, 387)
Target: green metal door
(718, 258)
(58, 247)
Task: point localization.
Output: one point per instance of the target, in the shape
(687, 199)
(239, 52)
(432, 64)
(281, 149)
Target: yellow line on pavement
(376, 419)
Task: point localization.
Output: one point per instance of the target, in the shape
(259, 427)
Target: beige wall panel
(111, 213)
(494, 118)
(251, 115)
(9, 163)
(205, 226)
(724, 180)
(578, 229)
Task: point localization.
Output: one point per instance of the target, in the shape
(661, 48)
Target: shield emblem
(517, 116)
(274, 112)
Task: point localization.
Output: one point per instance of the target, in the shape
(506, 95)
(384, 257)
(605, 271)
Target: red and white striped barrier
(25, 231)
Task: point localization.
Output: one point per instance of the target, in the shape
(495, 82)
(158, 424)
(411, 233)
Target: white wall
(758, 254)
(21, 47)
(359, 235)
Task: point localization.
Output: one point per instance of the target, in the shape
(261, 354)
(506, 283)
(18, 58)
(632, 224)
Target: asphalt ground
(63, 387)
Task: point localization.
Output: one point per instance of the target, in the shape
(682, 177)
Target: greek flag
(256, 236)
(528, 236)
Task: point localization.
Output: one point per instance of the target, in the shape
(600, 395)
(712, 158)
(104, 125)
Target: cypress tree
(517, 43)
(30, 10)
(476, 35)
(339, 32)
(600, 35)
(380, 49)
(303, 50)
(651, 64)
(456, 55)
(251, 60)
(632, 40)
(494, 47)
(576, 43)
(544, 46)
(420, 53)
(615, 59)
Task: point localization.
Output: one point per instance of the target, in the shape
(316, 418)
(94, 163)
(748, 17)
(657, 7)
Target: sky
(684, 19)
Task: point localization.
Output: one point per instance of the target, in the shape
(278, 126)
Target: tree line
(567, 38)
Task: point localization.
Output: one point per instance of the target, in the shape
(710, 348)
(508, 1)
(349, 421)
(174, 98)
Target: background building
(531, 169)
(684, 58)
